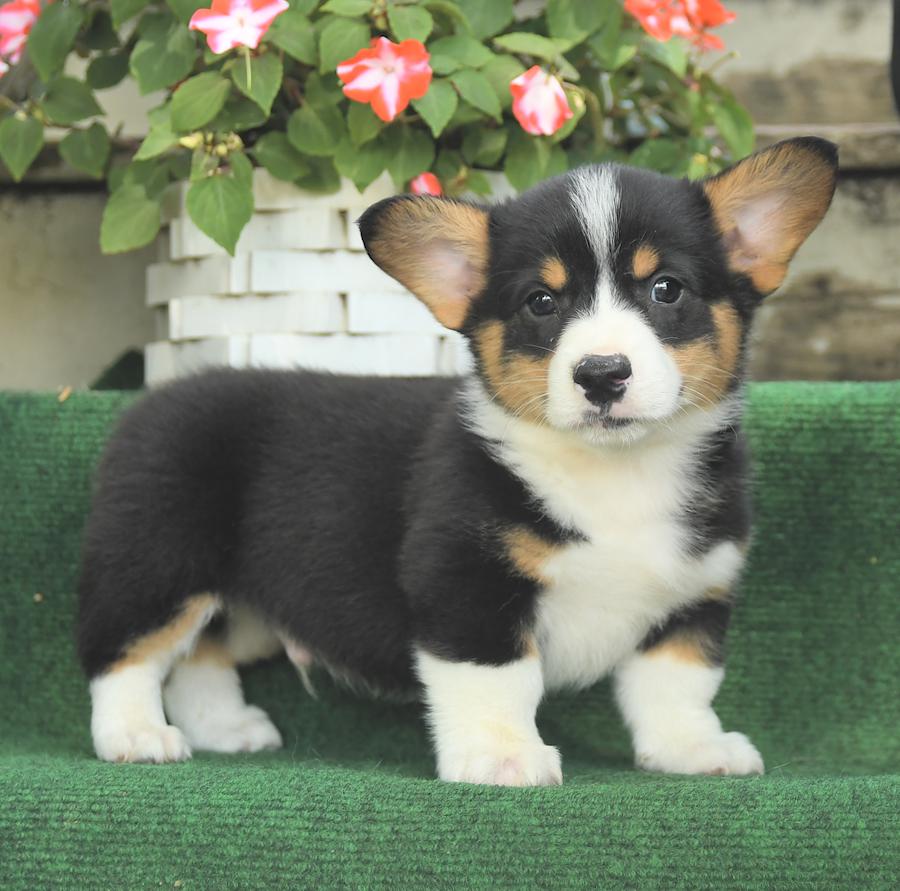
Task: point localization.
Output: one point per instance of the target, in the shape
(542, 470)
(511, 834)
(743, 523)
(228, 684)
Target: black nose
(603, 378)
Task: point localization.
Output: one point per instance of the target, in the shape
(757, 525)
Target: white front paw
(502, 764)
(725, 754)
(154, 743)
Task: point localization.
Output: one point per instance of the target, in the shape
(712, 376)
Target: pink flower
(387, 75)
(539, 102)
(426, 184)
(16, 19)
(232, 23)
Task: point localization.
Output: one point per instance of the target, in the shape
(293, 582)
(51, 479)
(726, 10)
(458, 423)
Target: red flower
(426, 184)
(655, 16)
(232, 23)
(539, 102)
(16, 19)
(387, 75)
(686, 18)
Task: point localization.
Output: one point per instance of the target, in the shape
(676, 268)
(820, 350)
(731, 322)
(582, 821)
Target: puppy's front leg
(665, 691)
(482, 719)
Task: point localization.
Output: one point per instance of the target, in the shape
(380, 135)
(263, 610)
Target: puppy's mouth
(600, 417)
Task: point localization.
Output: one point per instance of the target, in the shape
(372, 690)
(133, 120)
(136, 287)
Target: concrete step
(810, 60)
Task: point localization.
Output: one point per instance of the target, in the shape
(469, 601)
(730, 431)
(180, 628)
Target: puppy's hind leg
(127, 719)
(204, 698)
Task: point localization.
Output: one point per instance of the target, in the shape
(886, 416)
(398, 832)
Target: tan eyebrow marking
(645, 261)
(554, 273)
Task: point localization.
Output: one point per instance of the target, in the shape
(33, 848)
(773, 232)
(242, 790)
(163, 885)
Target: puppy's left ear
(435, 247)
(767, 205)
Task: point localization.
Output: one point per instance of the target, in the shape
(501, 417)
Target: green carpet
(812, 678)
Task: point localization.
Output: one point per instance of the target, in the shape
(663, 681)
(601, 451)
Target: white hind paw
(247, 729)
(153, 743)
(725, 754)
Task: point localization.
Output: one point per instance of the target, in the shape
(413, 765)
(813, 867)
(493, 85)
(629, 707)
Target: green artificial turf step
(812, 677)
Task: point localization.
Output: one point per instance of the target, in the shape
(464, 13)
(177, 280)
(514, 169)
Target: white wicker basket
(300, 291)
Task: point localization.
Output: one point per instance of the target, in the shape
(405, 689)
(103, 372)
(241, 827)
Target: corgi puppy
(575, 507)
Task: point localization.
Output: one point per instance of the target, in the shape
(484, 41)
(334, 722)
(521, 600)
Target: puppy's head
(607, 300)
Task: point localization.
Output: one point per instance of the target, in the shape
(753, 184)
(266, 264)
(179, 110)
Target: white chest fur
(635, 566)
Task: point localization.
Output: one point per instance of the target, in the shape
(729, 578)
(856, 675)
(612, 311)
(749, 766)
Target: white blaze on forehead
(595, 197)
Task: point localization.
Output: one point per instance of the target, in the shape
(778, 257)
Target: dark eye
(541, 303)
(665, 290)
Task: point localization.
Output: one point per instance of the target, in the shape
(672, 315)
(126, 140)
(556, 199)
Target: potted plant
(280, 120)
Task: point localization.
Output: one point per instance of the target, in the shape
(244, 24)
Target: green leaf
(499, 72)
(349, 8)
(363, 123)
(410, 152)
(198, 100)
(221, 205)
(487, 17)
(461, 50)
(265, 79)
(612, 48)
(68, 100)
(573, 20)
(448, 166)
(293, 33)
(316, 130)
(275, 152)
(558, 162)
(361, 165)
(476, 89)
(238, 113)
(123, 10)
(184, 9)
(152, 175)
(526, 159)
(478, 183)
(437, 106)
(161, 135)
(410, 22)
(99, 34)
(672, 54)
(241, 168)
(341, 39)
(52, 37)
(323, 89)
(736, 126)
(107, 70)
(87, 150)
(130, 220)
(532, 45)
(656, 154)
(163, 58)
(21, 139)
(483, 146)
(322, 177)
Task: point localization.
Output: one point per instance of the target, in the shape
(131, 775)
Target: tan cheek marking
(188, 621)
(681, 647)
(554, 273)
(709, 369)
(528, 553)
(519, 382)
(645, 261)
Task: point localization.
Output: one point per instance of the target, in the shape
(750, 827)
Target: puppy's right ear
(438, 248)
